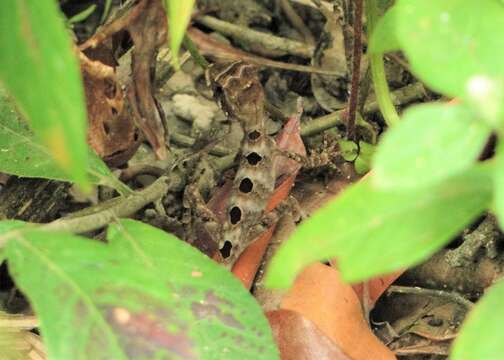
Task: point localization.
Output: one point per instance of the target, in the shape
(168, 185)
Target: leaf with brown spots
(142, 295)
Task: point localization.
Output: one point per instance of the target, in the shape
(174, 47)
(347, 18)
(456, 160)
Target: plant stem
(356, 60)
(378, 71)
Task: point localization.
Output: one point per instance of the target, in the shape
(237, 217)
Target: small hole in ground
(253, 158)
(246, 185)
(235, 215)
(225, 250)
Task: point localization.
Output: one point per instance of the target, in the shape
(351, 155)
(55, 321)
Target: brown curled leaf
(299, 338)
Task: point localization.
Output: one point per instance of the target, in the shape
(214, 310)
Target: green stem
(378, 71)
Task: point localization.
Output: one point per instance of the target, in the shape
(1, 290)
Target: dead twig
(256, 37)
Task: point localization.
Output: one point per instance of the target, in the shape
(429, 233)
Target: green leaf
(145, 295)
(83, 15)
(38, 67)
(363, 161)
(179, 14)
(499, 183)
(450, 42)
(21, 154)
(431, 143)
(384, 39)
(479, 337)
(349, 149)
(373, 232)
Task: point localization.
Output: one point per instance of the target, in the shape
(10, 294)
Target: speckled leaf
(145, 295)
(480, 337)
(431, 143)
(374, 232)
(21, 154)
(39, 68)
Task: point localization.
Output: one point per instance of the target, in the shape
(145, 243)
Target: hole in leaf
(235, 215)
(114, 110)
(253, 158)
(246, 185)
(225, 250)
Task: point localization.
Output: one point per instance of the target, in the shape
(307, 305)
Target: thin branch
(356, 60)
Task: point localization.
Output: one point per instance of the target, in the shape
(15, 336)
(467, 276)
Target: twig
(356, 60)
(18, 321)
(309, 3)
(485, 235)
(400, 96)
(253, 37)
(102, 214)
(187, 141)
(297, 22)
(215, 49)
(452, 296)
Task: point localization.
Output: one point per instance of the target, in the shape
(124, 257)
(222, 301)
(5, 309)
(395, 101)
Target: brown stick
(357, 52)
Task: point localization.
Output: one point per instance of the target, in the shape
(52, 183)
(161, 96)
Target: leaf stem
(381, 88)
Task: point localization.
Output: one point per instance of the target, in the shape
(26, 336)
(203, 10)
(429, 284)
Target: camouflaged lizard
(241, 96)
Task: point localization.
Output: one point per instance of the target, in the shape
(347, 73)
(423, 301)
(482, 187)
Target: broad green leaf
(145, 295)
(448, 43)
(179, 14)
(39, 68)
(499, 183)
(480, 337)
(384, 39)
(431, 143)
(373, 232)
(21, 154)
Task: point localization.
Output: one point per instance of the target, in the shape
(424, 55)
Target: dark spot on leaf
(246, 185)
(113, 110)
(235, 215)
(253, 158)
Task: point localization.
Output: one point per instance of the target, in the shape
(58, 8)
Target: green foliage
(449, 42)
(22, 154)
(373, 231)
(145, 294)
(432, 143)
(480, 336)
(179, 15)
(499, 184)
(426, 185)
(38, 67)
